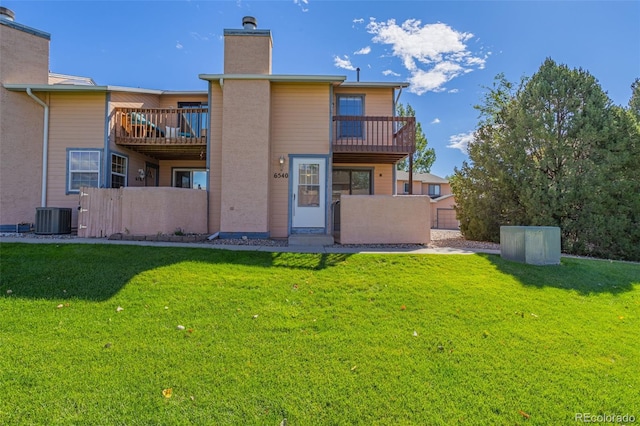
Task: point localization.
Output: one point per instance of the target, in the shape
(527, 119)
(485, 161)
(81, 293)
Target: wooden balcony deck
(371, 139)
(171, 133)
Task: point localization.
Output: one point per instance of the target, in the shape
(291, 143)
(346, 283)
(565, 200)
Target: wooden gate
(100, 212)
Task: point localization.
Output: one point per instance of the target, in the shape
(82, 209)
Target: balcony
(165, 134)
(363, 139)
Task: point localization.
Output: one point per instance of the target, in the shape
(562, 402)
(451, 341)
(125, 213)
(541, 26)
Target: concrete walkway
(241, 247)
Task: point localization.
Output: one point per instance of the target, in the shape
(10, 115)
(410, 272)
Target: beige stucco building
(443, 215)
(276, 155)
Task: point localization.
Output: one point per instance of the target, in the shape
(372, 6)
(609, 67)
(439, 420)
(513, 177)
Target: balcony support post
(411, 174)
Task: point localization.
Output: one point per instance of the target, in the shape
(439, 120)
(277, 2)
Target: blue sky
(449, 51)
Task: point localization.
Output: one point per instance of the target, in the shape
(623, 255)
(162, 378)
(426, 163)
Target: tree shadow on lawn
(98, 272)
(586, 276)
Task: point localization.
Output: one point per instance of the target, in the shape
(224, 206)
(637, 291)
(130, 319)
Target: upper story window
(83, 167)
(434, 190)
(352, 105)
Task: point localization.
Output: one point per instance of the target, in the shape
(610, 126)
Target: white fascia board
(291, 78)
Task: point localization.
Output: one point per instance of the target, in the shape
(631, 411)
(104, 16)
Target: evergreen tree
(634, 102)
(554, 152)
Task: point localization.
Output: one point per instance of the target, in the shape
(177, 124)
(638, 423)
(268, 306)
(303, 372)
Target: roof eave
(395, 85)
(17, 87)
(285, 78)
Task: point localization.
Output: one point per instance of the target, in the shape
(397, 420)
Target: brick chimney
(247, 50)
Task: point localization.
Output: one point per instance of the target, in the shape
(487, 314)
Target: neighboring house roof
(420, 177)
(55, 78)
(444, 197)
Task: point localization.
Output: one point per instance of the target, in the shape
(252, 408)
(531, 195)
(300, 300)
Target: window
(351, 182)
(308, 185)
(190, 178)
(193, 122)
(350, 105)
(118, 171)
(406, 187)
(434, 190)
(84, 169)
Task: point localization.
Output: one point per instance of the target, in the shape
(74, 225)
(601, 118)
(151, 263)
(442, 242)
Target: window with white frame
(84, 169)
(118, 171)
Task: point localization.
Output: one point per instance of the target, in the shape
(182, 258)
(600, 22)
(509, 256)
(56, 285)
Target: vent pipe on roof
(358, 74)
(7, 14)
(249, 23)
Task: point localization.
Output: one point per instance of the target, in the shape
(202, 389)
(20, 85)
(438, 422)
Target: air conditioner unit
(53, 220)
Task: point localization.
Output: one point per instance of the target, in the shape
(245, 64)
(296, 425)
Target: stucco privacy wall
(390, 219)
(245, 153)
(141, 211)
(299, 125)
(76, 120)
(25, 58)
(149, 211)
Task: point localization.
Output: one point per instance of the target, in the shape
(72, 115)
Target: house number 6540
(281, 175)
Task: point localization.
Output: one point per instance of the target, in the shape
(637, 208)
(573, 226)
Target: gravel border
(439, 239)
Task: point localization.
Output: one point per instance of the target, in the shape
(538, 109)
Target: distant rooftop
(55, 78)
(420, 177)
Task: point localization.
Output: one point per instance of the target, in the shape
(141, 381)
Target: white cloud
(179, 45)
(434, 79)
(434, 54)
(344, 63)
(303, 4)
(453, 91)
(389, 72)
(198, 36)
(358, 21)
(461, 141)
(364, 51)
(436, 121)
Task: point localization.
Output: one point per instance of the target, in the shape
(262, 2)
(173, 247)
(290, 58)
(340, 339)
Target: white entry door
(308, 192)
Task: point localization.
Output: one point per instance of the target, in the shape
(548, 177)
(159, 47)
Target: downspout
(45, 146)
(396, 101)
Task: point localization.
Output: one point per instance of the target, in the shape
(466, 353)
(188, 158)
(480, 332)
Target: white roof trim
(293, 78)
(85, 88)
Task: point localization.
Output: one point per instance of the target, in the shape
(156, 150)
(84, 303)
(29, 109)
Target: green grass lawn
(89, 335)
